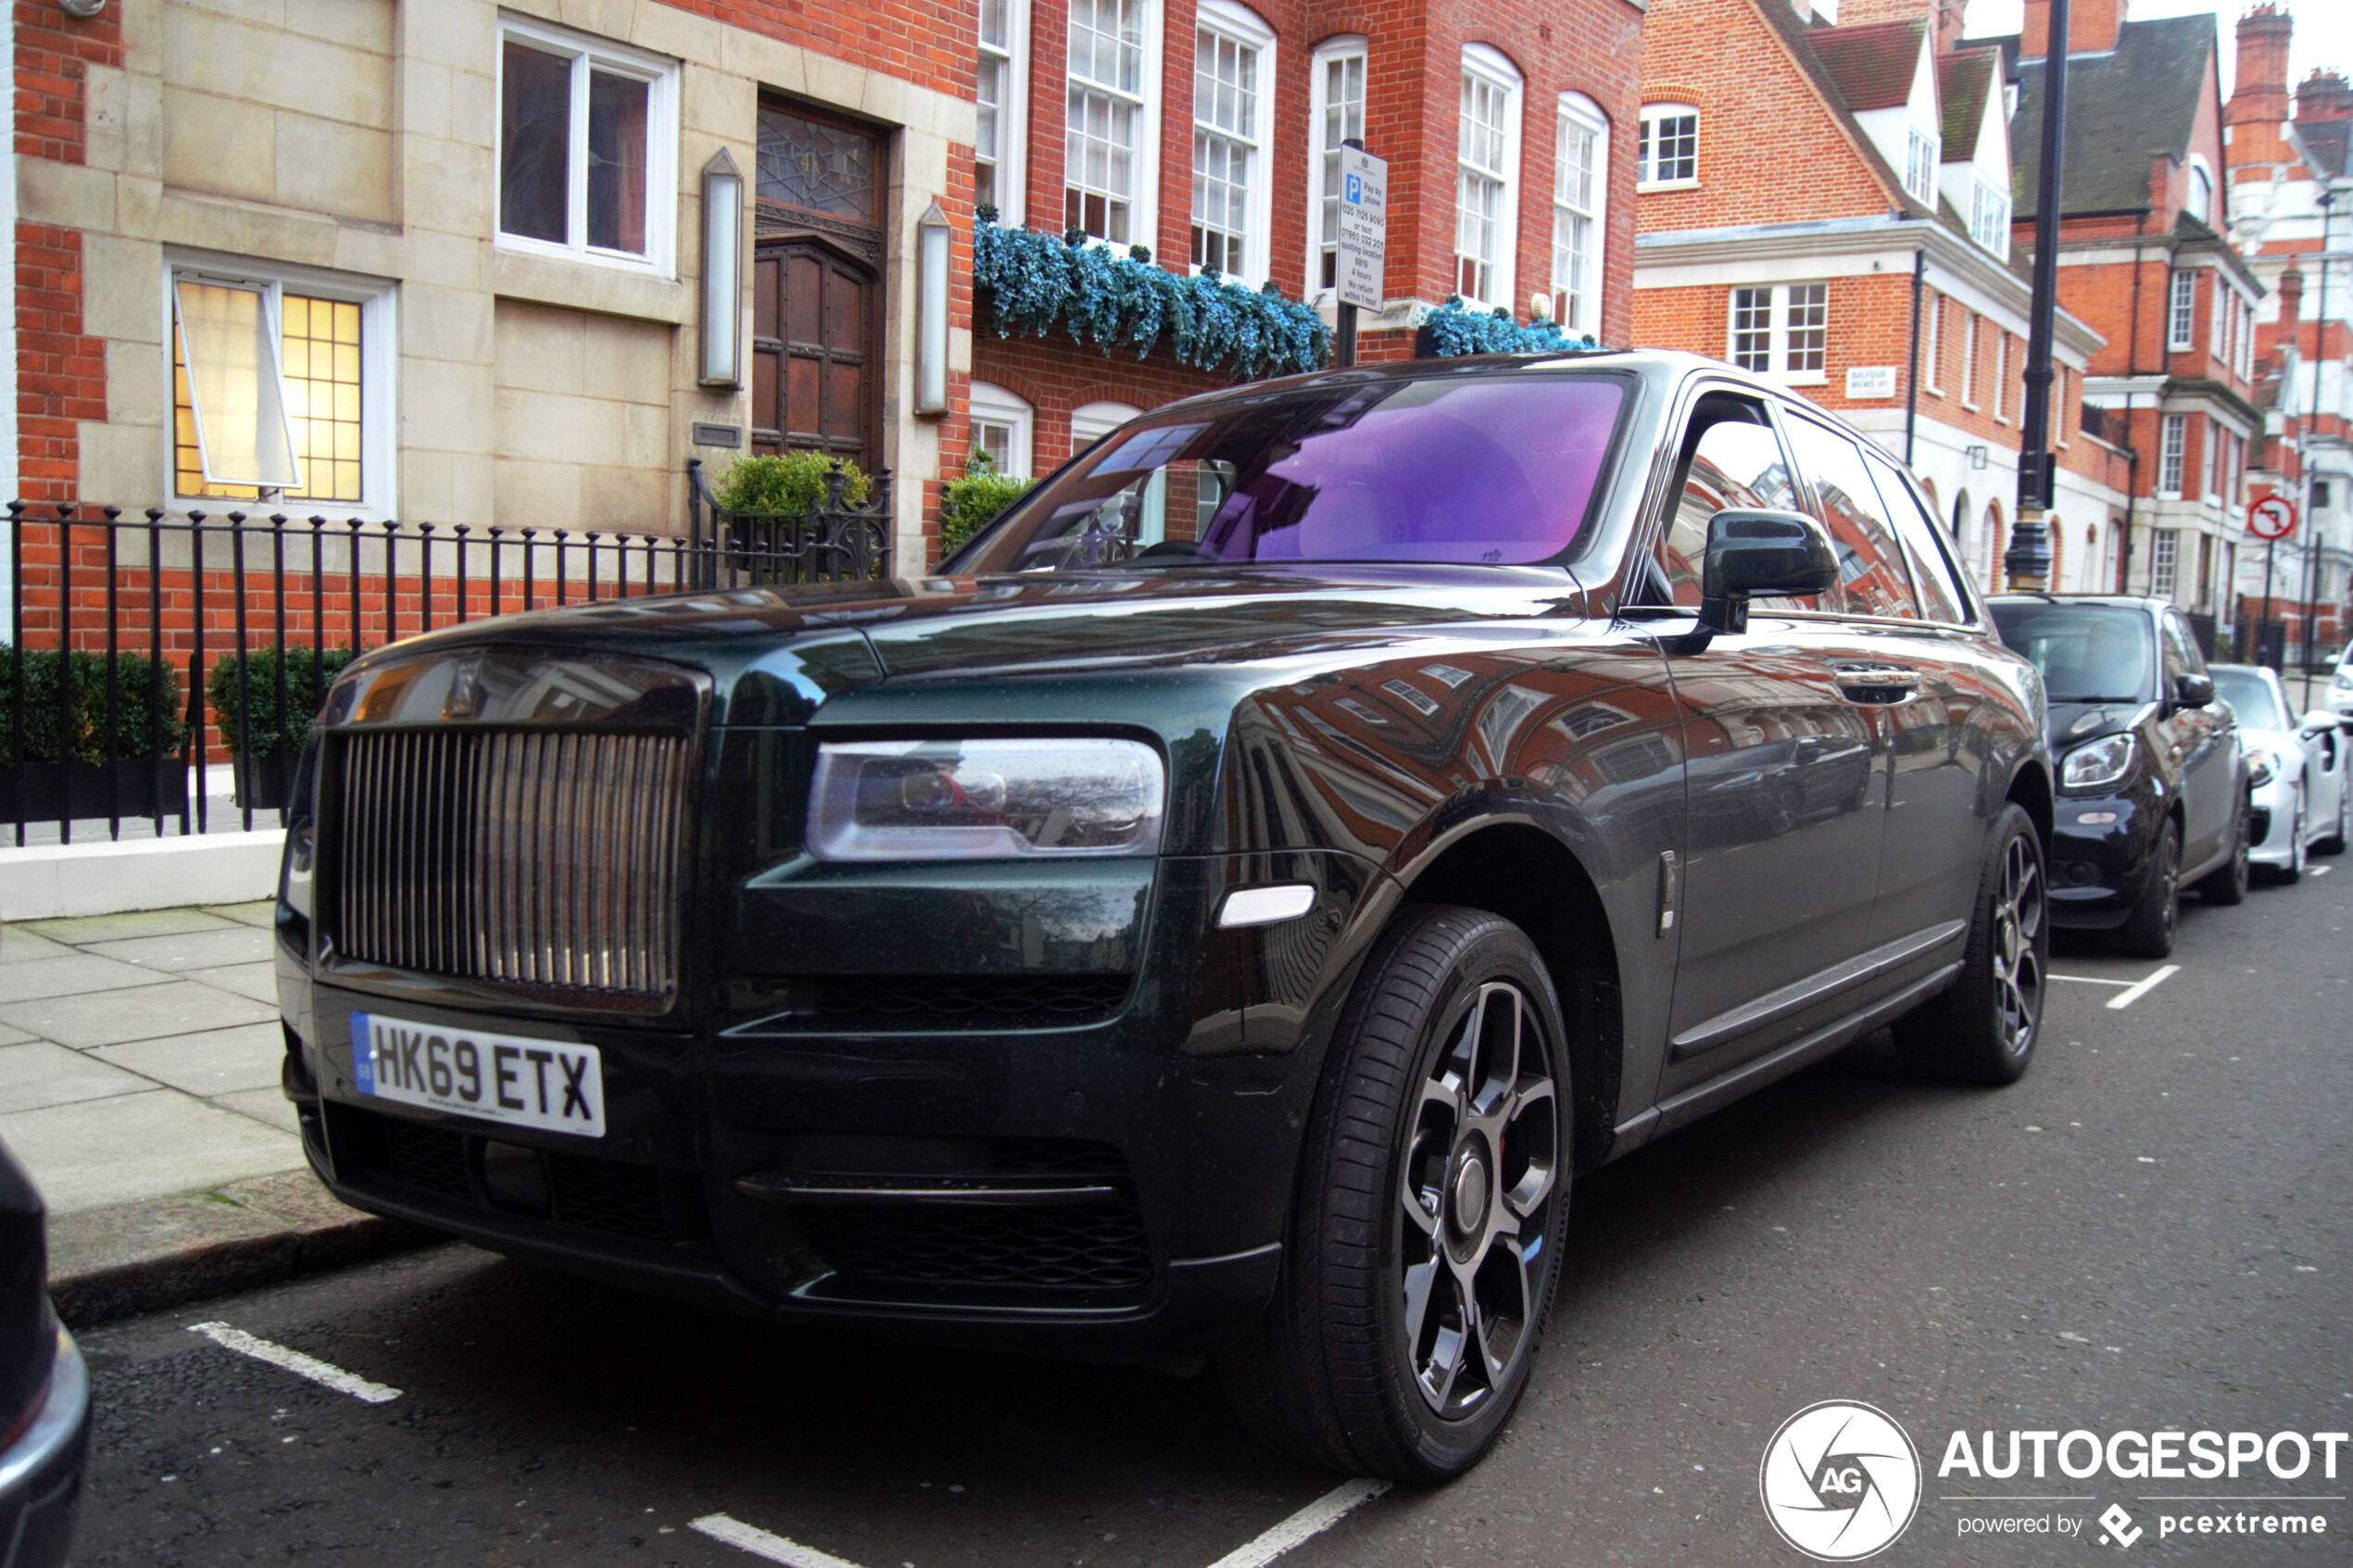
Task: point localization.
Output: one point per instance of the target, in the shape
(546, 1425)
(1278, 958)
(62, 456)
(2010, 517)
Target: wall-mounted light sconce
(1977, 457)
(932, 235)
(83, 11)
(722, 272)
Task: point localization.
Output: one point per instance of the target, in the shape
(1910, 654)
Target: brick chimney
(2261, 94)
(1945, 14)
(2092, 26)
(2324, 94)
(2290, 290)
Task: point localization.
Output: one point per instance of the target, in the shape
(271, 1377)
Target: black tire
(1984, 1028)
(1331, 1374)
(2148, 931)
(2334, 843)
(2227, 883)
(2293, 872)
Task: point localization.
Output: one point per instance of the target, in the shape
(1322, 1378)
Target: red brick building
(2280, 164)
(1828, 202)
(1206, 130)
(2144, 262)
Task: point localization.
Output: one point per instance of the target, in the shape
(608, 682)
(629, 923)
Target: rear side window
(1870, 562)
(1942, 597)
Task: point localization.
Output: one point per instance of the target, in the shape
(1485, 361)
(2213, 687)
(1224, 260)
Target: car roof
(2123, 601)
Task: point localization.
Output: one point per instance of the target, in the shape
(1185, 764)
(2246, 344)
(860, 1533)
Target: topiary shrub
(134, 735)
(309, 675)
(789, 482)
(972, 503)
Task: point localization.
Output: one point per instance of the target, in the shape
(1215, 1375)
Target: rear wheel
(1984, 1029)
(2227, 883)
(2334, 843)
(2147, 931)
(1425, 1238)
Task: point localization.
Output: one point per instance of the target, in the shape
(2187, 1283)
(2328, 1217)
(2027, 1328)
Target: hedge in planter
(972, 503)
(786, 484)
(134, 735)
(258, 733)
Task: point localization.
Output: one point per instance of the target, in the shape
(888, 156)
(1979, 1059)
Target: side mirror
(2321, 721)
(2194, 691)
(1761, 552)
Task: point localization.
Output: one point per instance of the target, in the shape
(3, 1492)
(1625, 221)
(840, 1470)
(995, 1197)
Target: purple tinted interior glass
(1452, 469)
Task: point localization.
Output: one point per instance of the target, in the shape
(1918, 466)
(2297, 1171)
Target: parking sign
(1364, 227)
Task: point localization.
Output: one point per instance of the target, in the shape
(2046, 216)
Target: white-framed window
(1989, 218)
(1108, 157)
(1922, 151)
(2001, 375)
(2201, 198)
(1233, 68)
(1336, 114)
(2181, 330)
(1667, 151)
(1001, 138)
(2210, 471)
(1092, 421)
(282, 386)
(1781, 330)
(2172, 454)
(1968, 363)
(1580, 184)
(587, 147)
(1931, 317)
(1486, 194)
(1004, 426)
(2165, 551)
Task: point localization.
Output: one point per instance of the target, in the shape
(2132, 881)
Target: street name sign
(2273, 517)
(1364, 227)
(1870, 381)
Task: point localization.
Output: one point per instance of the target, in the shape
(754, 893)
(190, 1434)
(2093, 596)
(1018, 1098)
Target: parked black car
(1217, 914)
(44, 1389)
(2153, 788)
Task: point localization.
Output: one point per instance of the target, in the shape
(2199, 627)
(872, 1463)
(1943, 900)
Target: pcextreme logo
(1839, 1481)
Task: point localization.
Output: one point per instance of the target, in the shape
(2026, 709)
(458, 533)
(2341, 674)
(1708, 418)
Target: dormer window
(1989, 218)
(1920, 158)
(2201, 203)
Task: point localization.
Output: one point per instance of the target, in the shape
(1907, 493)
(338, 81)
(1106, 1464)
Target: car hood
(797, 645)
(2070, 725)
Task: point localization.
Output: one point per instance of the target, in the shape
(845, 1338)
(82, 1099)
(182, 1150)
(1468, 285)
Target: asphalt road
(2150, 1232)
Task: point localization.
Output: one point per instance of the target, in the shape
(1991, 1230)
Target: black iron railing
(142, 647)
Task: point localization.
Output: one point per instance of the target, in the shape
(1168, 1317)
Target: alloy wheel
(2018, 913)
(2169, 872)
(1477, 1182)
(2296, 841)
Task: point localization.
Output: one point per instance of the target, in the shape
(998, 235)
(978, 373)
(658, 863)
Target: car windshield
(2087, 653)
(1493, 469)
(2251, 697)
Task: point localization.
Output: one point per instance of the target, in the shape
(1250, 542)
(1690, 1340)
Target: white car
(2340, 697)
(2295, 771)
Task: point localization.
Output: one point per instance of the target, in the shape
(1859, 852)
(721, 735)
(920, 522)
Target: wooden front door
(815, 316)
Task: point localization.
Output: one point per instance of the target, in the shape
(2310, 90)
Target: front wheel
(1425, 1236)
(2334, 843)
(2227, 883)
(2147, 931)
(1984, 1029)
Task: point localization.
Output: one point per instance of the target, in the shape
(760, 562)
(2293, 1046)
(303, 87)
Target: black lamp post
(2027, 560)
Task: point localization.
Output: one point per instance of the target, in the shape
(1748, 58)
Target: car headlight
(985, 799)
(2262, 765)
(2342, 679)
(2102, 761)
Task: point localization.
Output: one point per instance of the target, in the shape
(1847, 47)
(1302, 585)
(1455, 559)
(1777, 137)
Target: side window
(1942, 596)
(1730, 458)
(1870, 562)
(2181, 648)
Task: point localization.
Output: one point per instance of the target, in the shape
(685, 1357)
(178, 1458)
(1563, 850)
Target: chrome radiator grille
(529, 857)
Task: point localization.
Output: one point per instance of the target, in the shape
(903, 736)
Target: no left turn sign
(2273, 517)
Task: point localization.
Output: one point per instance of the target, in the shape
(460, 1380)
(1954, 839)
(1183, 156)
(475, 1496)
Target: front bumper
(40, 1473)
(1107, 1185)
(2271, 826)
(2103, 853)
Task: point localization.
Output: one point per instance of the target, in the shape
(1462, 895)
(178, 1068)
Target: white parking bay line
(294, 1362)
(2140, 988)
(1309, 1522)
(2092, 980)
(760, 1543)
(2317, 870)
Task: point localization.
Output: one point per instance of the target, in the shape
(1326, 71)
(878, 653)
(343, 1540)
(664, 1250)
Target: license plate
(553, 1086)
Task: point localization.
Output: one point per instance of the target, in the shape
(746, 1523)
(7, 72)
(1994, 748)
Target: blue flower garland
(1453, 330)
(1111, 301)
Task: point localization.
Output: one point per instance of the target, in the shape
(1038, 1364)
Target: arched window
(1994, 542)
(1486, 182)
(1581, 186)
(1335, 112)
(1094, 420)
(1233, 93)
(1004, 426)
(2200, 204)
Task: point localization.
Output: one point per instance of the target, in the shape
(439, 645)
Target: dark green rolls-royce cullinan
(1216, 915)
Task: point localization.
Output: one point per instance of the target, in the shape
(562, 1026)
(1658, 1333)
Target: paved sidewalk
(139, 1054)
